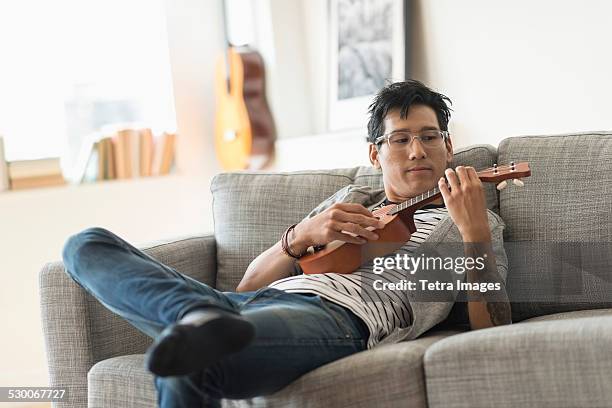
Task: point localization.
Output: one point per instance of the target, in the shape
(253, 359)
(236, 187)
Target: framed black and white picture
(368, 47)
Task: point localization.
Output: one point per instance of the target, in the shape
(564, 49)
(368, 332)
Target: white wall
(317, 47)
(280, 38)
(195, 39)
(510, 68)
(291, 35)
(517, 67)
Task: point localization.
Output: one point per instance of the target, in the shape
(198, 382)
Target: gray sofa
(558, 353)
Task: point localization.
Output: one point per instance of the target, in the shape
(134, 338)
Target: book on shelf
(134, 154)
(35, 173)
(164, 153)
(34, 168)
(109, 161)
(127, 153)
(122, 141)
(4, 175)
(102, 153)
(146, 152)
(169, 153)
(37, 182)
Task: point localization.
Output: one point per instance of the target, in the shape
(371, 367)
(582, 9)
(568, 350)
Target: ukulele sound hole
(229, 135)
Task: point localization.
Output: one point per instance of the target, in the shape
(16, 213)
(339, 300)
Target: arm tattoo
(497, 303)
(499, 313)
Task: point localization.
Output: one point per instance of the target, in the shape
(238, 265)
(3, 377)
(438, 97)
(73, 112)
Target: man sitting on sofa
(281, 323)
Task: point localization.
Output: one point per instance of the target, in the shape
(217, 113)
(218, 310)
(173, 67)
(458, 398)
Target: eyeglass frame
(445, 134)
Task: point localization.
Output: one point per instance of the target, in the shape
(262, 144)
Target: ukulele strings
(436, 190)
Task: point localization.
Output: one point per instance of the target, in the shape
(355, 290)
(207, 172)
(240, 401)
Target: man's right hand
(326, 227)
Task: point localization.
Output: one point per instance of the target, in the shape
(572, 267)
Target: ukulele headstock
(498, 174)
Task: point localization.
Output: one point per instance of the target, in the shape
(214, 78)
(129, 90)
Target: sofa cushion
(252, 209)
(121, 382)
(387, 376)
(555, 361)
(559, 226)
(577, 314)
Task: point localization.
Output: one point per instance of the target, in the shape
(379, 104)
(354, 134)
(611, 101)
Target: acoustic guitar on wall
(244, 127)
(344, 257)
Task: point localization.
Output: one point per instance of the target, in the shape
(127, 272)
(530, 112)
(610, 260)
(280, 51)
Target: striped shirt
(381, 310)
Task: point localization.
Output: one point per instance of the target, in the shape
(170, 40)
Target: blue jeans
(295, 332)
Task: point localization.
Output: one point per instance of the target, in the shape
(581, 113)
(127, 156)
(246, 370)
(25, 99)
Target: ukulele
(244, 128)
(344, 257)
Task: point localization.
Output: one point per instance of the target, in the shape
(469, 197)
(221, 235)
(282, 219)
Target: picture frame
(367, 49)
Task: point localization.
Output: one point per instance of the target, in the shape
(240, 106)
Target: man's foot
(196, 341)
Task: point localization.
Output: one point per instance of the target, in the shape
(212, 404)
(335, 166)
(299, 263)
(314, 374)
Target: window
(69, 68)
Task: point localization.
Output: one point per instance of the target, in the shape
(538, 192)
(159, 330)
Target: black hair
(402, 95)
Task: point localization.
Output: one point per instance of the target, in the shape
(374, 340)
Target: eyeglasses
(400, 139)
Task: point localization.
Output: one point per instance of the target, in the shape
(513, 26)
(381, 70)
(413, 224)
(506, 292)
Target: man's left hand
(466, 203)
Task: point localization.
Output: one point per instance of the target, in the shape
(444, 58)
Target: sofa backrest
(559, 225)
(252, 209)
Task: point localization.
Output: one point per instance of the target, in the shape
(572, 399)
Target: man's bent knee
(77, 245)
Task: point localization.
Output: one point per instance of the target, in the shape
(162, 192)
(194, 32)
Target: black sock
(200, 338)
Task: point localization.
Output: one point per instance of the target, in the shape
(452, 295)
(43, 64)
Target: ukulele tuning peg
(518, 182)
(502, 185)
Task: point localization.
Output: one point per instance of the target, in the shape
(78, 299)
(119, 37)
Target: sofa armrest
(80, 332)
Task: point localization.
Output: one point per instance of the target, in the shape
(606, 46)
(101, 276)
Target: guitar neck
(226, 46)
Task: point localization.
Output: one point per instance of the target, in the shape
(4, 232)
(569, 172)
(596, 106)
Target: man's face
(414, 169)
